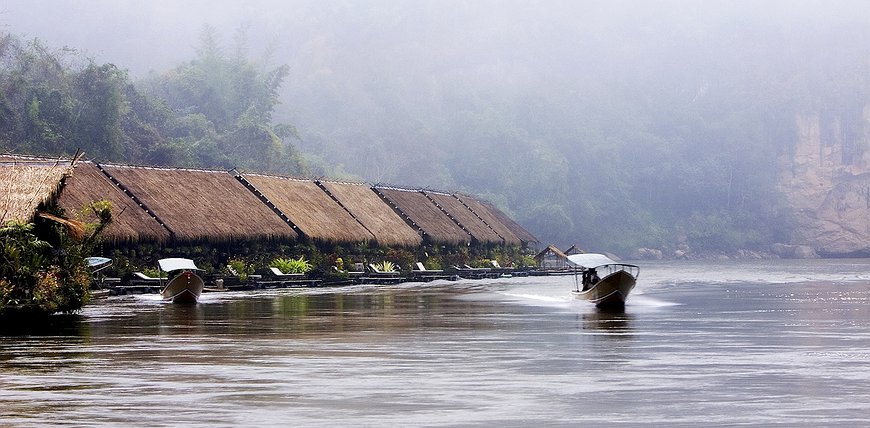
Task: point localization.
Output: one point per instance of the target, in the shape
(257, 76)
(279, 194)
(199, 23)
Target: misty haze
(654, 129)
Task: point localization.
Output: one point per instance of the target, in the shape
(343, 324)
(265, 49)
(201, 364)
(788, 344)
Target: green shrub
(288, 265)
(386, 266)
(240, 267)
(153, 272)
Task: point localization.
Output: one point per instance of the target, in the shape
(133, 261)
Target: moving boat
(601, 280)
(186, 285)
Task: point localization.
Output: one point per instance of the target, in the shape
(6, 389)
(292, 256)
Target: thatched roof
(486, 209)
(551, 249)
(25, 185)
(423, 214)
(378, 217)
(129, 221)
(465, 217)
(494, 222)
(574, 249)
(310, 208)
(202, 205)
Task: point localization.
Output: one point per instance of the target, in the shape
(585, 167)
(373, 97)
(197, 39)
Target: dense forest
(214, 110)
(605, 124)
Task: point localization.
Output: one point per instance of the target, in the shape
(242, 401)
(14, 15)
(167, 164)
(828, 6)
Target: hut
(466, 218)
(27, 183)
(574, 249)
(197, 205)
(485, 214)
(372, 212)
(130, 222)
(552, 258)
(309, 208)
(420, 212)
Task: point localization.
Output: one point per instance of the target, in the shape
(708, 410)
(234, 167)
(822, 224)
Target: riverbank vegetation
(42, 263)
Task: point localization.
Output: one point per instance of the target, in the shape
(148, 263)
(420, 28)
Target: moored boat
(601, 280)
(185, 286)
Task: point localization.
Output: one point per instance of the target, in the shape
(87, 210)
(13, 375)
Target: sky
(157, 34)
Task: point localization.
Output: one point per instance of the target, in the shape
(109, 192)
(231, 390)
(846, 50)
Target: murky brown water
(699, 344)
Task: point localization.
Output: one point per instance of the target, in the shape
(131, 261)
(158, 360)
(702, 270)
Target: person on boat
(593, 277)
(590, 277)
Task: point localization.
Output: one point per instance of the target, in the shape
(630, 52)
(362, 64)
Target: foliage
(153, 272)
(385, 266)
(240, 267)
(289, 265)
(43, 268)
(214, 111)
(223, 108)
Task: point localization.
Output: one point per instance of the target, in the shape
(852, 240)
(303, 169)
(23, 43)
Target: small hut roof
(374, 213)
(202, 205)
(520, 232)
(423, 213)
(465, 217)
(493, 221)
(554, 250)
(574, 249)
(25, 185)
(310, 208)
(129, 221)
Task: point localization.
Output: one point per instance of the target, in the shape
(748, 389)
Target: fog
(588, 121)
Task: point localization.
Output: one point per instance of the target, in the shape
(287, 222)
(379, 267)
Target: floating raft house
(423, 214)
(25, 184)
(129, 221)
(369, 209)
(464, 217)
(199, 205)
(309, 208)
(192, 205)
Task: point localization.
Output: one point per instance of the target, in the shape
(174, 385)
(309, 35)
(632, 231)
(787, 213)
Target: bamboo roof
(130, 222)
(310, 208)
(425, 215)
(486, 209)
(478, 229)
(374, 213)
(201, 205)
(25, 185)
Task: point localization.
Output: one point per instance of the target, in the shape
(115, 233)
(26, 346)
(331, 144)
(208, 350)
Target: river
(699, 343)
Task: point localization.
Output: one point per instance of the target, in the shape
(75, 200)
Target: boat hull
(186, 287)
(610, 292)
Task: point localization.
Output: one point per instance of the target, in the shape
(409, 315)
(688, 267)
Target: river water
(699, 343)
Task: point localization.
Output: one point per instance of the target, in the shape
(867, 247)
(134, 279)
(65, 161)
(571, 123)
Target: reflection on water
(617, 322)
(517, 352)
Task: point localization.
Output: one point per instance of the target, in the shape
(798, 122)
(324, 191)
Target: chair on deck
(421, 268)
(277, 272)
(139, 276)
(374, 269)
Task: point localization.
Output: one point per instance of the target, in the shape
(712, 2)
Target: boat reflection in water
(608, 321)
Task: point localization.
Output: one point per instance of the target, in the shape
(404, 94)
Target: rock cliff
(826, 183)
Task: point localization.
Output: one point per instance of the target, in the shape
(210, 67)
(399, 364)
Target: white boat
(185, 286)
(601, 280)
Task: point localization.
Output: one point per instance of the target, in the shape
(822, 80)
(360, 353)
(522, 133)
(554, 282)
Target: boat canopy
(171, 264)
(96, 261)
(590, 260)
